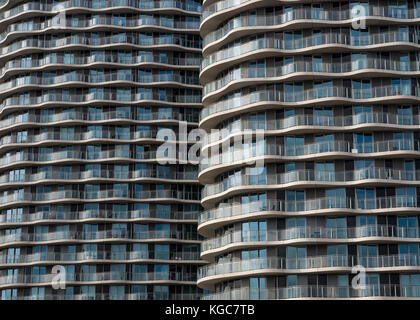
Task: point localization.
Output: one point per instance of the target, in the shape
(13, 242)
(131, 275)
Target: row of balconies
(281, 265)
(99, 195)
(99, 276)
(100, 174)
(279, 94)
(87, 21)
(268, 179)
(252, 19)
(275, 42)
(102, 296)
(300, 206)
(80, 137)
(322, 12)
(83, 38)
(64, 116)
(58, 96)
(75, 216)
(101, 156)
(319, 292)
(187, 5)
(97, 235)
(78, 59)
(264, 148)
(94, 255)
(33, 80)
(367, 231)
(297, 120)
(246, 73)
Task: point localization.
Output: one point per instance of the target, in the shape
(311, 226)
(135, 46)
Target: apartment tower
(335, 87)
(86, 197)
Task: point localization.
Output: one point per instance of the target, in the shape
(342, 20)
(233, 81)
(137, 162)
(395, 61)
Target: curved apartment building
(86, 197)
(332, 188)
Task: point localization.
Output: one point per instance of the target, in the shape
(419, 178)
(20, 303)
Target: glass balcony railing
(333, 203)
(279, 94)
(279, 179)
(270, 41)
(238, 237)
(293, 264)
(318, 292)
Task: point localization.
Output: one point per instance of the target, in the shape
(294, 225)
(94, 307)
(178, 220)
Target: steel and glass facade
(85, 87)
(338, 100)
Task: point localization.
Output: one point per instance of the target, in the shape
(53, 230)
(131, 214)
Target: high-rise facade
(335, 87)
(85, 87)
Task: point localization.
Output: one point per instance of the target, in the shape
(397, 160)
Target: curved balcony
(99, 175)
(83, 40)
(85, 23)
(270, 45)
(365, 120)
(97, 257)
(211, 219)
(38, 158)
(307, 179)
(97, 277)
(97, 236)
(33, 7)
(278, 265)
(151, 136)
(228, 159)
(16, 102)
(103, 195)
(224, 9)
(106, 60)
(263, 97)
(241, 76)
(371, 291)
(72, 78)
(302, 16)
(105, 296)
(301, 235)
(94, 215)
(79, 117)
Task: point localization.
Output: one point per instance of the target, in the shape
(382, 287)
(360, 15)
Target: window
(366, 226)
(408, 227)
(367, 255)
(362, 114)
(295, 228)
(254, 259)
(406, 196)
(295, 146)
(163, 211)
(404, 115)
(293, 91)
(254, 231)
(365, 198)
(325, 171)
(364, 169)
(296, 257)
(361, 89)
(322, 89)
(337, 228)
(257, 288)
(363, 142)
(162, 251)
(359, 61)
(360, 37)
(335, 198)
(337, 255)
(295, 200)
(401, 87)
(324, 143)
